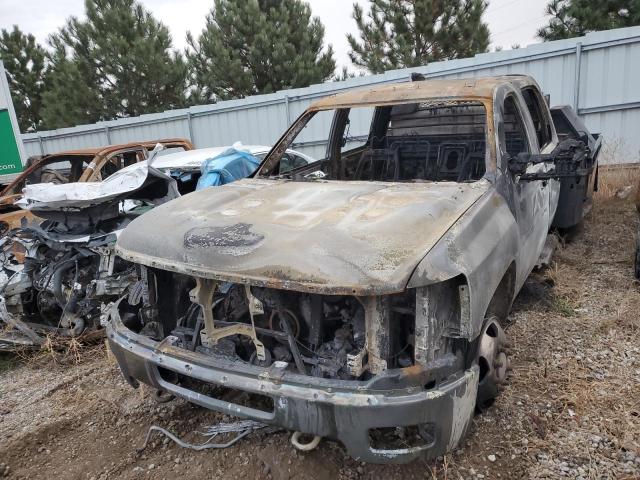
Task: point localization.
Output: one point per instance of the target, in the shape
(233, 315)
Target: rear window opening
(435, 141)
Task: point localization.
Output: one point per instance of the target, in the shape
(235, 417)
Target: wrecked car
(87, 165)
(361, 298)
(56, 276)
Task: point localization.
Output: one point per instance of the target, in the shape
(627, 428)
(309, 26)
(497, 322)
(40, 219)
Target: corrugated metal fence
(597, 74)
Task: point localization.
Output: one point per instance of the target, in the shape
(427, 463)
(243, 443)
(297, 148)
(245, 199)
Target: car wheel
(493, 361)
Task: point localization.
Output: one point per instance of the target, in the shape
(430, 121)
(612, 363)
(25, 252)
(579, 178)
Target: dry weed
(626, 317)
(615, 178)
(56, 350)
(111, 359)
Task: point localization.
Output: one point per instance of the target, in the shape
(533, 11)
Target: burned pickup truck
(362, 297)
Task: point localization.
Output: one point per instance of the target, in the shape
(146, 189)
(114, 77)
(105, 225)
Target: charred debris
(57, 276)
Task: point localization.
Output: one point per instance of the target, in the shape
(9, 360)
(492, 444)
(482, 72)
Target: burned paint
(238, 238)
(318, 237)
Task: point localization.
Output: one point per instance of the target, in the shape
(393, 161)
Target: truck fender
(482, 246)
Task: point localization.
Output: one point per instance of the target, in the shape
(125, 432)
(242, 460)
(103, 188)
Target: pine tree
(116, 63)
(345, 74)
(574, 18)
(25, 62)
(258, 46)
(408, 33)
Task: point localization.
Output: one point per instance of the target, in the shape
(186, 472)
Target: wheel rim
(493, 361)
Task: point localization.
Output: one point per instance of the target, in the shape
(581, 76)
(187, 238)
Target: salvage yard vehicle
(87, 165)
(361, 298)
(56, 277)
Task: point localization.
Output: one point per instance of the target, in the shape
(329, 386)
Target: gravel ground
(570, 410)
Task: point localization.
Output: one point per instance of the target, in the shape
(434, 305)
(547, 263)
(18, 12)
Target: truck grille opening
(322, 336)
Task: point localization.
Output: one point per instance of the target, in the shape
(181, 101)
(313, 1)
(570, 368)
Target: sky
(510, 21)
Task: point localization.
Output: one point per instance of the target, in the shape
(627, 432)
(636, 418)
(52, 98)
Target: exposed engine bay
(322, 336)
(53, 284)
(56, 277)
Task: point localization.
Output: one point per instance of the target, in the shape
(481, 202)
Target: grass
(56, 350)
(562, 306)
(615, 178)
(626, 316)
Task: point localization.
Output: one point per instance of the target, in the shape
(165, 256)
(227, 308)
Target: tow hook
(304, 447)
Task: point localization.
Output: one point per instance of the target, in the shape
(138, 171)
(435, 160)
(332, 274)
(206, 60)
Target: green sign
(9, 154)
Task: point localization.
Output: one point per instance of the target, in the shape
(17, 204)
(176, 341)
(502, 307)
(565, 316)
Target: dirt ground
(571, 408)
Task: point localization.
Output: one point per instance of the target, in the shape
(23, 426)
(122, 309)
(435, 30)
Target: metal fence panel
(176, 127)
(77, 140)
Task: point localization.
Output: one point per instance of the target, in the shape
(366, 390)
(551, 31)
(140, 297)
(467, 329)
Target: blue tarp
(229, 166)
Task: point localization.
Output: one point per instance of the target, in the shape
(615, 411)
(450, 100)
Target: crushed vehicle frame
(360, 295)
(96, 158)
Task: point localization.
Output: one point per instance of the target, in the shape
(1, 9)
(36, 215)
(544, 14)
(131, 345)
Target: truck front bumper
(343, 410)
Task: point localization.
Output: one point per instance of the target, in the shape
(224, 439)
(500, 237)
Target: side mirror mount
(518, 164)
(568, 158)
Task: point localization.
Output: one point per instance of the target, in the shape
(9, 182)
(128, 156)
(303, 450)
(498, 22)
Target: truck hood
(331, 237)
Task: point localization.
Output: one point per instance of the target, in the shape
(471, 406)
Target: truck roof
(480, 89)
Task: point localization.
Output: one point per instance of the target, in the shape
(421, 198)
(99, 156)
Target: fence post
(576, 85)
(190, 124)
(287, 112)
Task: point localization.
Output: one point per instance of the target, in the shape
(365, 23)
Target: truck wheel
(493, 361)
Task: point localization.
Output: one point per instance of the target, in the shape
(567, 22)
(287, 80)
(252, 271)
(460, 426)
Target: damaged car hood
(356, 238)
(49, 196)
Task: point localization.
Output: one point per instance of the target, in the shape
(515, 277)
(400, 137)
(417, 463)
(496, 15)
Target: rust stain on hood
(331, 237)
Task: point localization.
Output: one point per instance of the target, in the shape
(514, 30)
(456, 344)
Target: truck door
(544, 137)
(530, 198)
